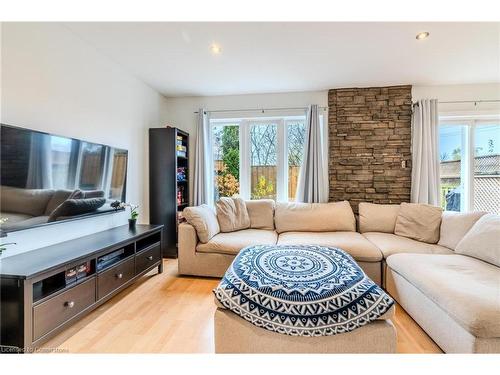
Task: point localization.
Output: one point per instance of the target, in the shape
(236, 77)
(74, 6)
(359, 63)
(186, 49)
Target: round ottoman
(300, 299)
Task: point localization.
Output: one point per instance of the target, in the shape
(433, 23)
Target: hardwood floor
(168, 313)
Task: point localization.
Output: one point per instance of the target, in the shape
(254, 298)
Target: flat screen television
(46, 178)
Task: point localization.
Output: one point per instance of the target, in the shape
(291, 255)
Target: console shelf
(45, 290)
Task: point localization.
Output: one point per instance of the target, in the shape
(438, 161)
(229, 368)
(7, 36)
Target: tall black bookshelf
(168, 182)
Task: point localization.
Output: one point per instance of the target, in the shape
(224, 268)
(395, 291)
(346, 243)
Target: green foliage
(456, 154)
(230, 142)
(263, 189)
(491, 146)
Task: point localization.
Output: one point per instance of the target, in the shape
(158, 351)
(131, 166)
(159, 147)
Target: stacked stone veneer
(369, 138)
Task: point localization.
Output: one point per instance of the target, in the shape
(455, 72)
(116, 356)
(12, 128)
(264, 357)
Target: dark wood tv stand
(39, 296)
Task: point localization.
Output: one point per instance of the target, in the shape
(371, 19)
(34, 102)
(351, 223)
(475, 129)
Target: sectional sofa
(442, 268)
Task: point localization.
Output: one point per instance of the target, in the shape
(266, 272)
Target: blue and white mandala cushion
(302, 290)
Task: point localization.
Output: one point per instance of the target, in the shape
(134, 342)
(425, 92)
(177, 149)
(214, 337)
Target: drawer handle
(119, 275)
(70, 304)
(150, 257)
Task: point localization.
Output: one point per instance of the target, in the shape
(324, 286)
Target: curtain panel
(202, 193)
(312, 183)
(425, 153)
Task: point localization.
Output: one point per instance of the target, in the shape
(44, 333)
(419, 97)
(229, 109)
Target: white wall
(471, 92)
(53, 81)
(179, 112)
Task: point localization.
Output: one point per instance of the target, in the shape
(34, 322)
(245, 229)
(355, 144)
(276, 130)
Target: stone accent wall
(369, 139)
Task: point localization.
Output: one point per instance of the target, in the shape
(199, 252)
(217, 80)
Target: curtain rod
(261, 109)
(466, 101)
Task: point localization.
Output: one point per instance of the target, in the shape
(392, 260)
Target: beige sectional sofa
(448, 286)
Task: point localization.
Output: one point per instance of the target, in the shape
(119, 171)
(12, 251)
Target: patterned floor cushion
(301, 290)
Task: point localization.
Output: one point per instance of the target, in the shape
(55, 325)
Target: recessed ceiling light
(215, 49)
(422, 35)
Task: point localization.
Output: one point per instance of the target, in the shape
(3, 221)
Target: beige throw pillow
(377, 217)
(420, 222)
(232, 214)
(261, 212)
(483, 240)
(455, 225)
(203, 219)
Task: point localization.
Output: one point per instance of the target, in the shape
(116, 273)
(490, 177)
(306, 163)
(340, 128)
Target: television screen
(47, 178)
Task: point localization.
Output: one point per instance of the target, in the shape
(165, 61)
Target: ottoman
(301, 299)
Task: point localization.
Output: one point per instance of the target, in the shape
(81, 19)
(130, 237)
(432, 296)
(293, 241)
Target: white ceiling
(175, 58)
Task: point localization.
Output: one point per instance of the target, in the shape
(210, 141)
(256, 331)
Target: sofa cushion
(261, 212)
(25, 201)
(420, 222)
(231, 243)
(351, 242)
(467, 289)
(314, 217)
(455, 225)
(204, 220)
(390, 244)
(483, 240)
(232, 214)
(377, 217)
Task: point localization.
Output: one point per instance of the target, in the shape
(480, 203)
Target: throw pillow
(261, 213)
(420, 222)
(455, 225)
(232, 214)
(203, 219)
(483, 240)
(73, 207)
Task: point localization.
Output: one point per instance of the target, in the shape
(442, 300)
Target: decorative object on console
(168, 182)
(134, 214)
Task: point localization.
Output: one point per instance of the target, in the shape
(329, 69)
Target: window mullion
(245, 169)
(281, 167)
(471, 160)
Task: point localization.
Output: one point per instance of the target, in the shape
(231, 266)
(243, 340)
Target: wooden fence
(269, 173)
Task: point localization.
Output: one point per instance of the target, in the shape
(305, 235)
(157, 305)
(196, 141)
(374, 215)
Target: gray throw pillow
(72, 207)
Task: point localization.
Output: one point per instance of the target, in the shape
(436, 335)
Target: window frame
(470, 121)
(245, 125)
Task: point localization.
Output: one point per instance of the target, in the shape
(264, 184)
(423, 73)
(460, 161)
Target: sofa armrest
(188, 239)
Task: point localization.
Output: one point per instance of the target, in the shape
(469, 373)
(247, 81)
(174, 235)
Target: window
(470, 164)
(257, 158)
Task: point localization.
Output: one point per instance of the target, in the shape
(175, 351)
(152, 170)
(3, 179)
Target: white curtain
(202, 192)
(40, 162)
(312, 184)
(425, 153)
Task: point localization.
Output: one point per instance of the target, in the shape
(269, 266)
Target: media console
(45, 290)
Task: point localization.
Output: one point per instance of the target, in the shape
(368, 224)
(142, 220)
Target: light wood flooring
(168, 313)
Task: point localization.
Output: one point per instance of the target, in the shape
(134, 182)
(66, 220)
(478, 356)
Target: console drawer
(52, 313)
(114, 277)
(147, 258)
